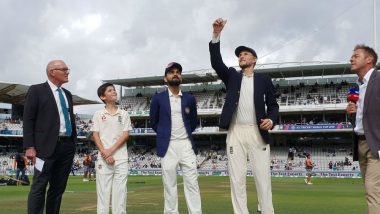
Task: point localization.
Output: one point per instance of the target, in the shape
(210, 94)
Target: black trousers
(55, 172)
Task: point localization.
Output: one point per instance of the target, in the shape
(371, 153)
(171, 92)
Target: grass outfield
(145, 195)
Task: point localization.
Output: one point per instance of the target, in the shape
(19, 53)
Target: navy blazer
(41, 119)
(161, 122)
(264, 92)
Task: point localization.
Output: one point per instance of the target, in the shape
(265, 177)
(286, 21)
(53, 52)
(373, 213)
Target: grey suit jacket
(371, 115)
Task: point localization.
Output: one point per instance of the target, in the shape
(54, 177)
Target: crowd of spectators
(301, 94)
(14, 126)
(212, 157)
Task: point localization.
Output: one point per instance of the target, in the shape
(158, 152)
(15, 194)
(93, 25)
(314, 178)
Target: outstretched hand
(218, 26)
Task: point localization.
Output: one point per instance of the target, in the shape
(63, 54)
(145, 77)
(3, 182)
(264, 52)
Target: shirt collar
(52, 86)
(248, 76)
(106, 112)
(172, 95)
(366, 77)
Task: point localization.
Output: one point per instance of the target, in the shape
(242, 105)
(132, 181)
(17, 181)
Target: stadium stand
(312, 99)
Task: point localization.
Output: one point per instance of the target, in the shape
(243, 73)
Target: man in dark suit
(250, 110)
(366, 113)
(49, 137)
(173, 116)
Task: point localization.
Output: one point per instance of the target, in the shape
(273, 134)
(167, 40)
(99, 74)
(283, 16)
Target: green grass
(145, 195)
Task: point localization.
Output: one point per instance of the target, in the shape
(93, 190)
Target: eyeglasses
(66, 70)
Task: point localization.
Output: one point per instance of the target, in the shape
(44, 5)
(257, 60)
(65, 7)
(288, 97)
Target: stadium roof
(15, 94)
(207, 76)
(275, 70)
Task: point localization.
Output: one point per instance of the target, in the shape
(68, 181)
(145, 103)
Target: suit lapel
(51, 97)
(183, 106)
(256, 85)
(167, 102)
(369, 90)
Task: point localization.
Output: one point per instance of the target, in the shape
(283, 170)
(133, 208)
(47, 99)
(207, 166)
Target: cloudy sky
(120, 39)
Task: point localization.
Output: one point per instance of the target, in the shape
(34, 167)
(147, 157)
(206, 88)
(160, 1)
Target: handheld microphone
(353, 95)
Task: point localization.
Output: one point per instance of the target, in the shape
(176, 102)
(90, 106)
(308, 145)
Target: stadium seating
(313, 94)
(215, 158)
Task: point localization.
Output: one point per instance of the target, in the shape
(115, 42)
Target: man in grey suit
(366, 114)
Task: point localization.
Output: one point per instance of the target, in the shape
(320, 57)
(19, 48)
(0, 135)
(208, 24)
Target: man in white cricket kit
(173, 116)
(110, 133)
(250, 110)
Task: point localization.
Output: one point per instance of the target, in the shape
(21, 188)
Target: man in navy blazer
(173, 116)
(366, 115)
(49, 135)
(250, 110)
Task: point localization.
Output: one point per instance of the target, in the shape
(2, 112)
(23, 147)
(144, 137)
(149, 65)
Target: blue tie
(65, 112)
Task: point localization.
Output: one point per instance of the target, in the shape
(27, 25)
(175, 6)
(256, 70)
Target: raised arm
(214, 46)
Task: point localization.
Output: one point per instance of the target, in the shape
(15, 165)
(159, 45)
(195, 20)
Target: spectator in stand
(291, 153)
(309, 169)
(49, 136)
(330, 165)
(365, 115)
(173, 116)
(250, 110)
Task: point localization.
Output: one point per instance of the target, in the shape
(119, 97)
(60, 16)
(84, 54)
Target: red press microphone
(353, 95)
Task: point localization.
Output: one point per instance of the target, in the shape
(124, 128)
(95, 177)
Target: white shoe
(85, 179)
(305, 181)
(309, 183)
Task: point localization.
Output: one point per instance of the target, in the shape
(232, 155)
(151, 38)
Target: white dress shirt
(359, 111)
(178, 130)
(62, 127)
(245, 113)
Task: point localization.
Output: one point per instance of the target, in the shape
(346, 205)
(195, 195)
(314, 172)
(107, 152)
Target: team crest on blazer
(187, 110)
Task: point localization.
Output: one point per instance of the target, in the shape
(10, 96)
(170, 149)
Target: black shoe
(258, 212)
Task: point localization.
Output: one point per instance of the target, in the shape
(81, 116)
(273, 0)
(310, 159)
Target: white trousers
(111, 178)
(245, 141)
(180, 153)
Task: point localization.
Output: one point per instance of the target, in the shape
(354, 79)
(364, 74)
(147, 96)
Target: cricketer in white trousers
(243, 140)
(111, 178)
(180, 153)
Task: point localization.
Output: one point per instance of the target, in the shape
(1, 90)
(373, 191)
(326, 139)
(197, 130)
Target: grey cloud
(122, 39)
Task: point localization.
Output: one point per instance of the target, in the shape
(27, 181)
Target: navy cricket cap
(172, 65)
(239, 49)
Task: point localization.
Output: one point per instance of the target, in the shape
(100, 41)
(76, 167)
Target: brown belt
(361, 137)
